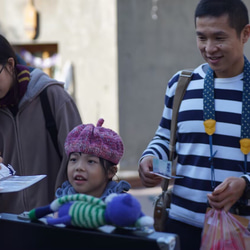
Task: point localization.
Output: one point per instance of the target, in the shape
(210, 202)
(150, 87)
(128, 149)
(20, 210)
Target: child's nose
(80, 167)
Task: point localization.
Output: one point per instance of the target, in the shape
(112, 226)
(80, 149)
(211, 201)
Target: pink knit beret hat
(99, 141)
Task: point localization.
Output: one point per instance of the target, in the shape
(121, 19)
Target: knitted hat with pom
(99, 141)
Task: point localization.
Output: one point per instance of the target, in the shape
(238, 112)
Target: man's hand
(148, 179)
(227, 193)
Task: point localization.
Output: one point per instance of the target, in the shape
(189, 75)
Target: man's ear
(246, 33)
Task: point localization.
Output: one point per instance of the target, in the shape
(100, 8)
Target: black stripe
(196, 207)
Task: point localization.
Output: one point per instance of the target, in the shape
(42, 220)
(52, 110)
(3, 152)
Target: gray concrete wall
(149, 53)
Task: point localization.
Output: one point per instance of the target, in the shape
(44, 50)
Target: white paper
(16, 183)
(163, 169)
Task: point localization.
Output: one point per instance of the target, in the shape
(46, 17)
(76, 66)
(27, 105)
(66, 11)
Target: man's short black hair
(235, 9)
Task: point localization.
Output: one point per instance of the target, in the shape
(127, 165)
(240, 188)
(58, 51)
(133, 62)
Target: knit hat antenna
(99, 141)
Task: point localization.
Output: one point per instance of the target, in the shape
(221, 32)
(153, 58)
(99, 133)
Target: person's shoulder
(201, 69)
(56, 92)
(198, 72)
(55, 87)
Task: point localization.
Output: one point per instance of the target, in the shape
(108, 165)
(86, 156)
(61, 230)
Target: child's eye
(93, 160)
(73, 159)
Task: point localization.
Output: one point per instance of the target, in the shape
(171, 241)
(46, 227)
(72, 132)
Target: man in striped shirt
(215, 166)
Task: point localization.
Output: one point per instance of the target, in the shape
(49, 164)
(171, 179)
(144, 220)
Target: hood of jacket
(38, 82)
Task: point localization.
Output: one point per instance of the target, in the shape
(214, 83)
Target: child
(94, 153)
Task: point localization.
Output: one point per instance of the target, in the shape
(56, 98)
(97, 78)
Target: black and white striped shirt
(189, 201)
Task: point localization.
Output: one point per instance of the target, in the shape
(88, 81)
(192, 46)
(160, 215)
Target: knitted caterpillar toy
(121, 210)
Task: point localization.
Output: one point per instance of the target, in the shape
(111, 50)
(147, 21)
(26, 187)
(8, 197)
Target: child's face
(86, 174)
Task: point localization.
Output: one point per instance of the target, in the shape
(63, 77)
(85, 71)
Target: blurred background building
(115, 57)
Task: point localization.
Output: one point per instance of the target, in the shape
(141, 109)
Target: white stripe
(186, 216)
(204, 150)
(191, 104)
(201, 173)
(197, 195)
(228, 106)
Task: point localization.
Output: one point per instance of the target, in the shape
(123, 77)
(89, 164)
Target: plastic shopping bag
(222, 231)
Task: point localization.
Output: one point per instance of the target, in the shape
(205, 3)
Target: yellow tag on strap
(209, 126)
(245, 145)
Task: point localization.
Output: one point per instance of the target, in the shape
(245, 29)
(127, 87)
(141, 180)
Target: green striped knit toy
(122, 210)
